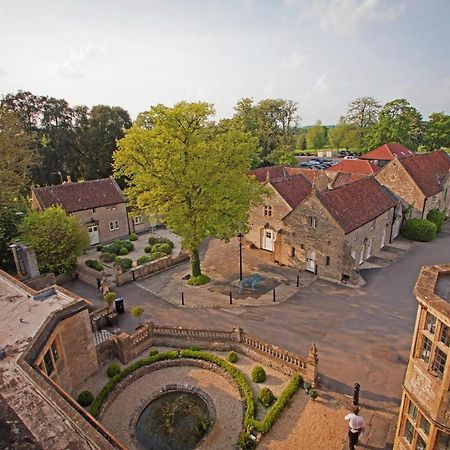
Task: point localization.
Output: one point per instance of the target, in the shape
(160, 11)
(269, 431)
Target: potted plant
(113, 317)
(137, 312)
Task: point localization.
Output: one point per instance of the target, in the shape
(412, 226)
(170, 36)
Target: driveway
(362, 335)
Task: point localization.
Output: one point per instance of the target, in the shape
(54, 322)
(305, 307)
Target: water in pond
(173, 421)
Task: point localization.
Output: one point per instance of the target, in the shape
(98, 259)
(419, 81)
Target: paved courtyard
(362, 335)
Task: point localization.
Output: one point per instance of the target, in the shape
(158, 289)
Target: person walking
(99, 284)
(356, 427)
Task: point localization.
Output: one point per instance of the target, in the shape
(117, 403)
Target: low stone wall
(42, 281)
(87, 275)
(106, 351)
(129, 347)
(99, 318)
(152, 267)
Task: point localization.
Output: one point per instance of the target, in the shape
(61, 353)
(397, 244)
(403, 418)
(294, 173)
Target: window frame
(312, 222)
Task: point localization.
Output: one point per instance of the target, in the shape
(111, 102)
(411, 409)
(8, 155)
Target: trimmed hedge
(156, 255)
(85, 398)
(125, 263)
(123, 251)
(128, 245)
(421, 230)
(152, 240)
(133, 237)
(437, 217)
(107, 256)
(266, 397)
(162, 248)
(99, 247)
(232, 357)
(199, 281)
(153, 352)
(258, 374)
(113, 370)
(143, 260)
(94, 264)
(313, 394)
(148, 249)
(113, 248)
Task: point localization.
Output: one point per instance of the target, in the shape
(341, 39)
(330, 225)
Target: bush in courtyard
(162, 247)
(133, 237)
(94, 264)
(152, 240)
(128, 245)
(163, 240)
(113, 247)
(258, 374)
(437, 217)
(125, 263)
(107, 256)
(198, 281)
(153, 352)
(117, 260)
(143, 260)
(148, 249)
(306, 385)
(123, 251)
(113, 370)
(266, 397)
(232, 357)
(421, 230)
(313, 394)
(99, 247)
(85, 398)
(156, 255)
(109, 298)
(195, 348)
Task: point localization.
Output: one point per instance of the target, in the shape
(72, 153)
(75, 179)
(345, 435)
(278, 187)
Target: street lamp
(240, 236)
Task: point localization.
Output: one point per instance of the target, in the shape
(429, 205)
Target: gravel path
(225, 395)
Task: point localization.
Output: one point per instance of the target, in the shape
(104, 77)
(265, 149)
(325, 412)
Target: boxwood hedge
(421, 230)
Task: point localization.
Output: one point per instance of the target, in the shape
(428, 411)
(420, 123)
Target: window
(110, 208)
(48, 362)
(426, 349)
(417, 427)
(412, 410)
(137, 220)
(442, 441)
(313, 222)
(267, 210)
(425, 425)
(430, 323)
(302, 246)
(445, 337)
(409, 431)
(420, 444)
(292, 252)
(440, 358)
(327, 262)
(54, 350)
(94, 210)
(113, 225)
(372, 224)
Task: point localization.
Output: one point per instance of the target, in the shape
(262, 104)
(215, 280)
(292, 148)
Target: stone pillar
(124, 351)
(311, 365)
(237, 334)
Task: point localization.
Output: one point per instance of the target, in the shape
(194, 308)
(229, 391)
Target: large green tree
(316, 136)
(437, 131)
(57, 238)
(344, 135)
(16, 158)
(191, 171)
(398, 122)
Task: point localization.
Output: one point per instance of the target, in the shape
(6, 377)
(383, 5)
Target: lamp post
(240, 236)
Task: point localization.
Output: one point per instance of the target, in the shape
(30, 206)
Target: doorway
(94, 237)
(311, 261)
(268, 239)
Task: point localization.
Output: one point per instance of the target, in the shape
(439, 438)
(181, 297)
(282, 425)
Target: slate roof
(387, 152)
(355, 166)
(345, 178)
(293, 189)
(428, 170)
(355, 204)
(80, 196)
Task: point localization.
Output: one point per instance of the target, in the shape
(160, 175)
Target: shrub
(125, 263)
(194, 348)
(107, 256)
(113, 370)
(99, 247)
(162, 248)
(266, 397)
(109, 298)
(313, 394)
(85, 398)
(258, 374)
(307, 385)
(156, 255)
(133, 237)
(117, 260)
(152, 240)
(113, 248)
(94, 264)
(153, 352)
(437, 217)
(169, 242)
(232, 357)
(421, 230)
(128, 245)
(143, 260)
(148, 249)
(123, 251)
(198, 281)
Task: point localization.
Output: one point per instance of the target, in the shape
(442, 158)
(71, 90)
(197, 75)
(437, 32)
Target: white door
(383, 238)
(361, 256)
(369, 248)
(268, 239)
(311, 261)
(396, 227)
(93, 234)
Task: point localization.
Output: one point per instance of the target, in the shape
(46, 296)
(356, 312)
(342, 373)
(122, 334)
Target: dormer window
(267, 210)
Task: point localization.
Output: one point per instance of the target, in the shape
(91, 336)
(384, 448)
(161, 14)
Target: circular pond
(176, 420)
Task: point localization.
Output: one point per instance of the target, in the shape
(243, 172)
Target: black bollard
(298, 280)
(182, 298)
(274, 295)
(231, 298)
(356, 388)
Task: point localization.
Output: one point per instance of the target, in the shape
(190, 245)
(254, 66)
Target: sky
(320, 53)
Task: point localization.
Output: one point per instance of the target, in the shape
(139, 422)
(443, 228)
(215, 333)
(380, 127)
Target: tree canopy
(192, 172)
(57, 238)
(437, 131)
(344, 135)
(316, 136)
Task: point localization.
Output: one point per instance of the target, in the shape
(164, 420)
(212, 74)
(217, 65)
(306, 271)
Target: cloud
(350, 16)
(80, 57)
(293, 61)
(322, 83)
(3, 72)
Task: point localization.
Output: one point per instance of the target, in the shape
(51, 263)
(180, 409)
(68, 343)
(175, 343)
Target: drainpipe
(424, 205)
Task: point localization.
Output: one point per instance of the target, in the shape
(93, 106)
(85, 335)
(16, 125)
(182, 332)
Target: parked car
(350, 157)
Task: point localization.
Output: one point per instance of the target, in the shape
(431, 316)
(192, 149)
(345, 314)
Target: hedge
(162, 248)
(94, 264)
(258, 374)
(85, 398)
(133, 237)
(421, 230)
(113, 370)
(107, 256)
(128, 245)
(437, 217)
(125, 263)
(266, 397)
(232, 357)
(143, 260)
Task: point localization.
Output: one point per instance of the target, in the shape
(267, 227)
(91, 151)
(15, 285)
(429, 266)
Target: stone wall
(106, 351)
(87, 275)
(42, 282)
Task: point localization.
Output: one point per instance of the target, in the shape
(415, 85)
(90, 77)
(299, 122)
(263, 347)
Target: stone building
(424, 420)
(99, 205)
(387, 152)
(309, 225)
(421, 181)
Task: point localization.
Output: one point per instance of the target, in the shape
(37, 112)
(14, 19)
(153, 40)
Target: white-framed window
(372, 224)
(94, 210)
(312, 222)
(267, 210)
(113, 225)
(137, 220)
(110, 208)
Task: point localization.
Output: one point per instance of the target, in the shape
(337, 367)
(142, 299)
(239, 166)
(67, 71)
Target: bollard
(356, 388)
(274, 295)
(182, 298)
(231, 298)
(298, 280)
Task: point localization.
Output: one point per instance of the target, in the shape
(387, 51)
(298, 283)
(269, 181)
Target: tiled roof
(80, 196)
(428, 170)
(345, 178)
(387, 152)
(355, 166)
(293, 189)
(355, 204)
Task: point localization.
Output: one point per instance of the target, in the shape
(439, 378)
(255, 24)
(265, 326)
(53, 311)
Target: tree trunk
(195, 263)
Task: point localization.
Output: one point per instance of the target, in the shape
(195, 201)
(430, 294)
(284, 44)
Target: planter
(113, 319)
